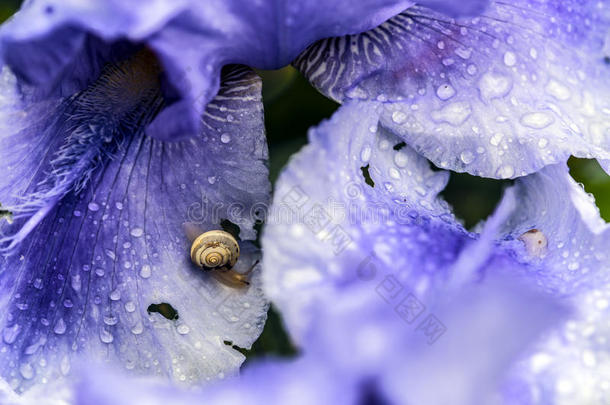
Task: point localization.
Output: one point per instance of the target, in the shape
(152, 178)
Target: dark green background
(292, 106)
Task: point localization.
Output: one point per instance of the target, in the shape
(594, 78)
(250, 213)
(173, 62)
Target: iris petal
(565, 367)
(107, 274)
(501, 95)
(576, 238)
(336, 214)
(358, 287)
(361, 351)
(60, 47)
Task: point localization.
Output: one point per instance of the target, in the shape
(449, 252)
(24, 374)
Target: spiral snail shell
(214, 250)
(217, 251)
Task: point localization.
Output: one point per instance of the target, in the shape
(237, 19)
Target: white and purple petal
(499, 95)
(91, 282)
(340, 220)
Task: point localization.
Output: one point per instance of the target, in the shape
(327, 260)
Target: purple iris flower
(120, 122)
(414, 308)
(123, 121)
(372, 219)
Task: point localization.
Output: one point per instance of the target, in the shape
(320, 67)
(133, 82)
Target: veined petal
(501, 95)
(107, 275)
(61, 47)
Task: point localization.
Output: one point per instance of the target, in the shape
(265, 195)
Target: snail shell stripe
(215, 249)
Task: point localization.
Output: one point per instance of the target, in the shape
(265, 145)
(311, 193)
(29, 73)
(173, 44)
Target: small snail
(535, 242)
(217, 251)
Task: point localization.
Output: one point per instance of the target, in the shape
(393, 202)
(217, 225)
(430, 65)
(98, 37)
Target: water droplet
(137, 232)
(130, 306)
(537, 120)
(119, 206)
(183, 329)
(111, 255)
(510, 58)
(463, 53)
(105, 336)
(93, 207)
(137, 329)
(454, 114)
(399, 117)
(212, 179)
(145, 271)
(77, 213)
(27, 371)
(542, 143)
(60, 327)
(115, 295)
(401, 159)
(493, 85)
(64, 365)
(445, 91)
(76, 282)
(38, 284)
(230, 118)
(365, 154)
(99, 272)
(558, 90)
(111, 321)
(10, 333)
(467, 157)
(505, 172)
(496, 138)
(471, 69)
(225, 138)
(357, 93)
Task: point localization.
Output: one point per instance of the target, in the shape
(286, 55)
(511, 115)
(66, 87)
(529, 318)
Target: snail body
(217, 252)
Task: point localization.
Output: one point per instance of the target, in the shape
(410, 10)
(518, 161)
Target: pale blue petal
(339, 222)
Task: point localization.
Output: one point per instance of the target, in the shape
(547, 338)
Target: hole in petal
(258, 227)
(595, 181)
(239, 349)
(5, 214)
(399, 146)
(231, 228)
(473, 198)
(165, 309)
(367, 176)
